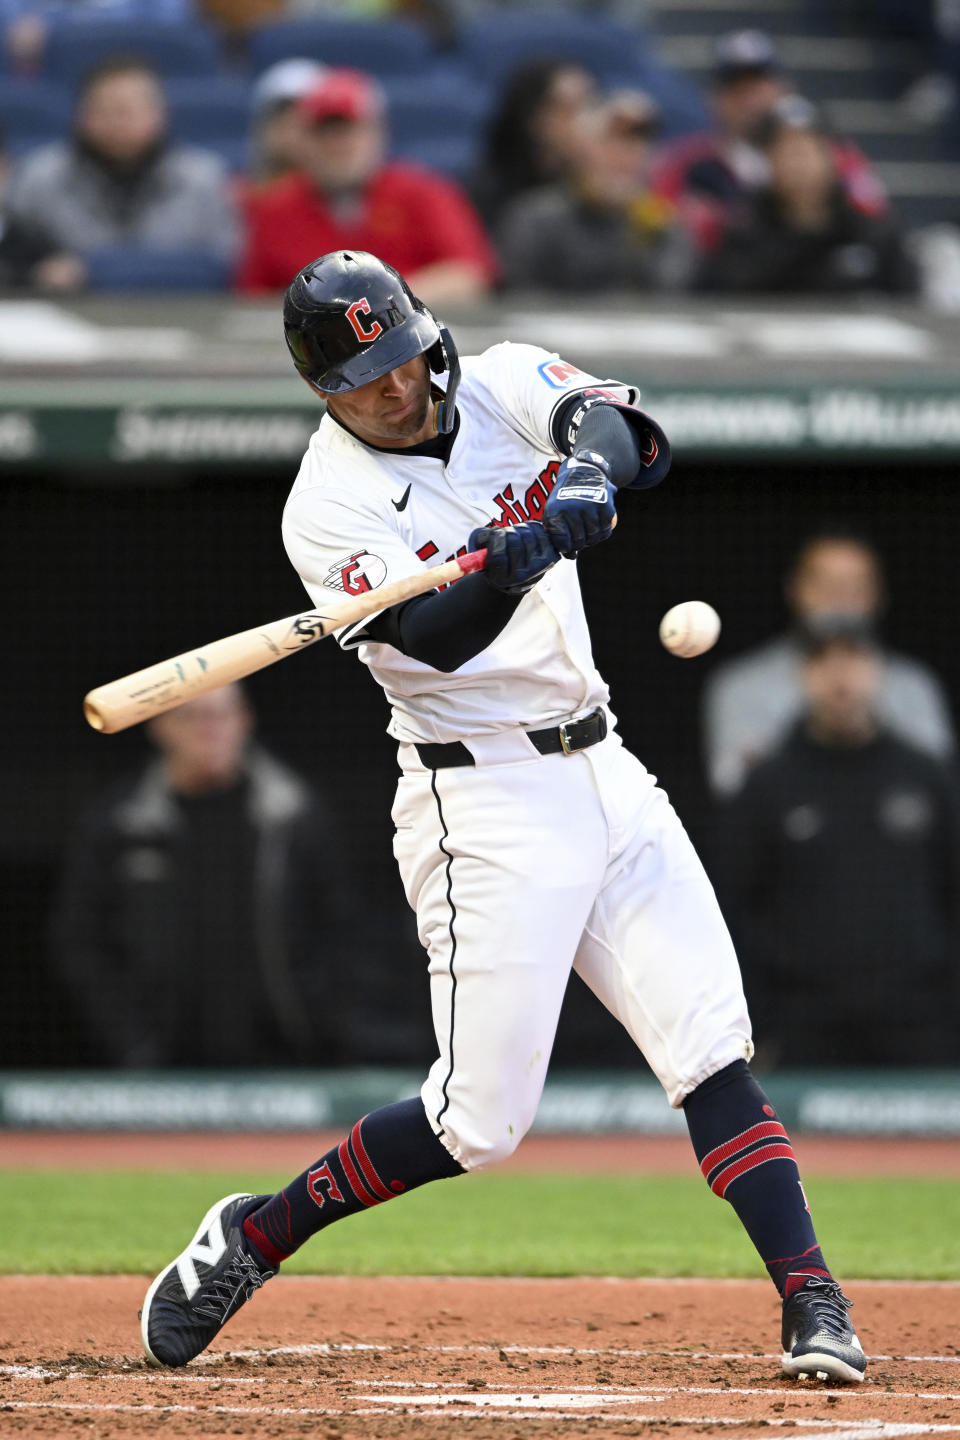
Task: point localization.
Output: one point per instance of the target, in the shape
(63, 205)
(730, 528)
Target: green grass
(96, 1222)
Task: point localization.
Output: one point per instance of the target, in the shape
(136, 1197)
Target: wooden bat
(162, 687)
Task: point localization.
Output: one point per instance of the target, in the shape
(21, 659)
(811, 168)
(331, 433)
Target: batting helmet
(348, 318)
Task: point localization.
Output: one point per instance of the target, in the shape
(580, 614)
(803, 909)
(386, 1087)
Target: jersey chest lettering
(510, 509)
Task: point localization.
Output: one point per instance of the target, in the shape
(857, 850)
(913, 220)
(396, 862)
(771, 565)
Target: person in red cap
(348, 195)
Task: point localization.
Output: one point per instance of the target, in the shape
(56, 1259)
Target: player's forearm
(604, 431)
(446, 628)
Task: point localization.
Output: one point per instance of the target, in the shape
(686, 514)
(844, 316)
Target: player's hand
(517, 556)
(581, 509)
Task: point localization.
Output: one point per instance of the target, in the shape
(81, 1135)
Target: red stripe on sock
(796, 1278)
(731, 1147)
(264, 1247)
(740, 1167)
(363, 1160)
(789, 1259)
(353, 1179)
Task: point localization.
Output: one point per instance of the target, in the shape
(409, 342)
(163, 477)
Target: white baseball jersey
(359, 517)
(522, 865)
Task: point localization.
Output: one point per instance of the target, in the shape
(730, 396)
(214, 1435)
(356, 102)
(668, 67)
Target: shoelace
(829, 1306)
(241, 1276)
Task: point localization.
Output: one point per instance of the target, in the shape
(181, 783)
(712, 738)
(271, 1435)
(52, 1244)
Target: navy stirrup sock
(746, 1157)
(386, 1153)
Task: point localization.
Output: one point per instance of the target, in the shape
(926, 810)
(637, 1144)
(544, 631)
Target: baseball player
(529, 839)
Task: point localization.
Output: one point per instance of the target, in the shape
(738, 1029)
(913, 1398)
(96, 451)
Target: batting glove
(517, 556)
(581, 507)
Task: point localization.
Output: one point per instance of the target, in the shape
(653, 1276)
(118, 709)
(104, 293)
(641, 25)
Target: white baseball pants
(522, 869)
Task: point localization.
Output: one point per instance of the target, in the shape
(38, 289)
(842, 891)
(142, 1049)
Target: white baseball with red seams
(521, 865)
(689, 629)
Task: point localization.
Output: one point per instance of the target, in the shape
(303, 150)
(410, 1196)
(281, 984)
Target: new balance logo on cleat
(193, 1298)
(819, 1343)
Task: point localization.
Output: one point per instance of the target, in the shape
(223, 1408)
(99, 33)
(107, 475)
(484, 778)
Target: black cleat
(193, 1298)
(819, 1342)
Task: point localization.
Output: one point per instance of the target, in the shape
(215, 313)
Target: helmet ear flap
(447, 352)
(437, 357)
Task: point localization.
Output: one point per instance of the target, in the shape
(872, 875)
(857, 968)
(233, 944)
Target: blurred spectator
(930, 98)
(29, 258)
(198, 917)
(119, 182)
(751, 702)
(25, 24)
(718, 169)
(235, 18)
(839, 867)
(241, 14)
(277, 129)
(601, 228)
(350, 197)
(800, 232)
(533, 135)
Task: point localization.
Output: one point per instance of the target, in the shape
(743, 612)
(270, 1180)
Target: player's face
(841, 682)
(123, 116)
(836, 577)
(341, 154)
(554, 127)
(203, 741)
(394, 411)
(740, 104)
(802, 166)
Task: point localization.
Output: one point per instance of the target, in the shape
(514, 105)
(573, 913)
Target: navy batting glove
(581, 507)
(517, 556)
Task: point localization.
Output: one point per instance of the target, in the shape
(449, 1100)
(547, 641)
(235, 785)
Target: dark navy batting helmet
(348, 318)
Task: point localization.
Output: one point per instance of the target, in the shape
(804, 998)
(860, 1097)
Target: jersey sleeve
(531, 386)
(341, 550)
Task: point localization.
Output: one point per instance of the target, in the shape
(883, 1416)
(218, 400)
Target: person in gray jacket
(120, 183)
(750, 703)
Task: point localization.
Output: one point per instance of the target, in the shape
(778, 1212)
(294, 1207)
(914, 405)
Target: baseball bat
(170, 683)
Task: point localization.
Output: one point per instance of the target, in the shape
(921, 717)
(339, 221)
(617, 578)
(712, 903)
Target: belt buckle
(567, 728)
(567, 742)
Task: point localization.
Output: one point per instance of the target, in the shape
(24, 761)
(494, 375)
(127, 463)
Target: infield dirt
(488, 1359)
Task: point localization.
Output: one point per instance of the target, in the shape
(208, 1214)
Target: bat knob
(92, 715)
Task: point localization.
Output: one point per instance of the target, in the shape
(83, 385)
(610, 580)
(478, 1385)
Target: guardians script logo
(510, 509)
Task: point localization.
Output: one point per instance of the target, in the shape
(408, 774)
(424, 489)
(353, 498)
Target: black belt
(568, 738)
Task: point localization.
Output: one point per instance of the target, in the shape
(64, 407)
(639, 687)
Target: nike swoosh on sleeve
(401, 504)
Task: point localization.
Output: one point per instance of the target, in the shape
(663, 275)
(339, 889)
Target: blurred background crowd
(221, 144)
(206, 909)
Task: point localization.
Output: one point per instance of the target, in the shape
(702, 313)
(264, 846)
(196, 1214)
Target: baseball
(689, 628)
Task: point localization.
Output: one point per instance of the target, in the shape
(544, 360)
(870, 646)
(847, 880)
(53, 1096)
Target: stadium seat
(385, 49)
(496, 44)
(452, 155)
(421, 115)
(169, 48)
(32, 113)
(208, 109)
(135, 268)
